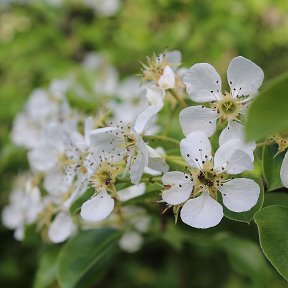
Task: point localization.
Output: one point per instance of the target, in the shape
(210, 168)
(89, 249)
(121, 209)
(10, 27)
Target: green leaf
(248, 215)
(272, 166)
(276, 198)
(273, 235)
(268, 112)
(46, 272)
(85, 255)
(245, 257)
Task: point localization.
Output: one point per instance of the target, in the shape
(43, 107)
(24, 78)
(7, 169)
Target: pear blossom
(106, 80)
(197, 189)
(24, 206)
(58, 155)
(43, 108)
(138, 223)
(61, 228)
(203, 84)
(126, 142)
(101, 176)
(129, 98)
(161, 69)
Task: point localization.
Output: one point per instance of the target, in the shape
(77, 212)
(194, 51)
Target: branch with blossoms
(85, 170)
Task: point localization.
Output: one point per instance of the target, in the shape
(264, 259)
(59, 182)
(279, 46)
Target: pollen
(228, 107)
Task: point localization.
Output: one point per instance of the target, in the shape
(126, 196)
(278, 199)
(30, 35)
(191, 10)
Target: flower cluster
(86, 168)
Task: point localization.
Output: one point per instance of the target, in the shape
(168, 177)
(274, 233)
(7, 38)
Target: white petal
(284, 171)
(233, 130)
(88, 129)
(103, 136)
(145, 118)
(167, 80)
(107, 139)
(61, 228)
(55, 182)
(198, 118)
(156, 161)
(174, 57)
(12, 216)
(137, 168)
(131, 192)
(243, 73)
(240, 194)
(203, 83)
(194, 148)
(202, 212)
(225, 154)
(155, 96)
(131, 241)
(43, 158)
(180, 187)
(97, 208)
(239, 162)
(236, 130)
(19, 233)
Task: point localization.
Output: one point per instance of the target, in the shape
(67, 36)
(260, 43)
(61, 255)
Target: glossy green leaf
(268, 112)
(83, 254)
(273, 235)
(272, 166)
(248, 215)
(46, 272)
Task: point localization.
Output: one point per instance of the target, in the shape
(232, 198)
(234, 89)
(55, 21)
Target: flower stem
(160, 138)
(179, 100)
(118, 206)
(265, 143)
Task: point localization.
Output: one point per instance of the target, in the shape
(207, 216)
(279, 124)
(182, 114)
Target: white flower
(125, 143)
(284, 171)
(131, 192)
(43, 108)
(58, 155)
(203, 84)
(131, 241)
(161, 69)
(106, 80)
(131, 99)
(137, 223)
(24, 206)
(207, 174)
(61, 228)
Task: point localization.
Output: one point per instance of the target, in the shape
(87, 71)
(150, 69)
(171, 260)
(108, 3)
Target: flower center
(228, 107)
(104, 176)
(282, 141)
(206, 178)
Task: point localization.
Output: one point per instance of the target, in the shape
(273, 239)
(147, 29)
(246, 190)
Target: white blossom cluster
(100, 160)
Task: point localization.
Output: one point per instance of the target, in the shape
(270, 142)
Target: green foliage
(88, 251)
(246, 258)
(271, 167)
(268, 114)
(273, 235)
(46, 272)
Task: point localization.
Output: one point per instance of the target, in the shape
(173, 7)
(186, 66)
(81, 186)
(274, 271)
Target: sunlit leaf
(268, 113)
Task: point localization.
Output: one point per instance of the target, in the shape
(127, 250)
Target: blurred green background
(40, 42)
